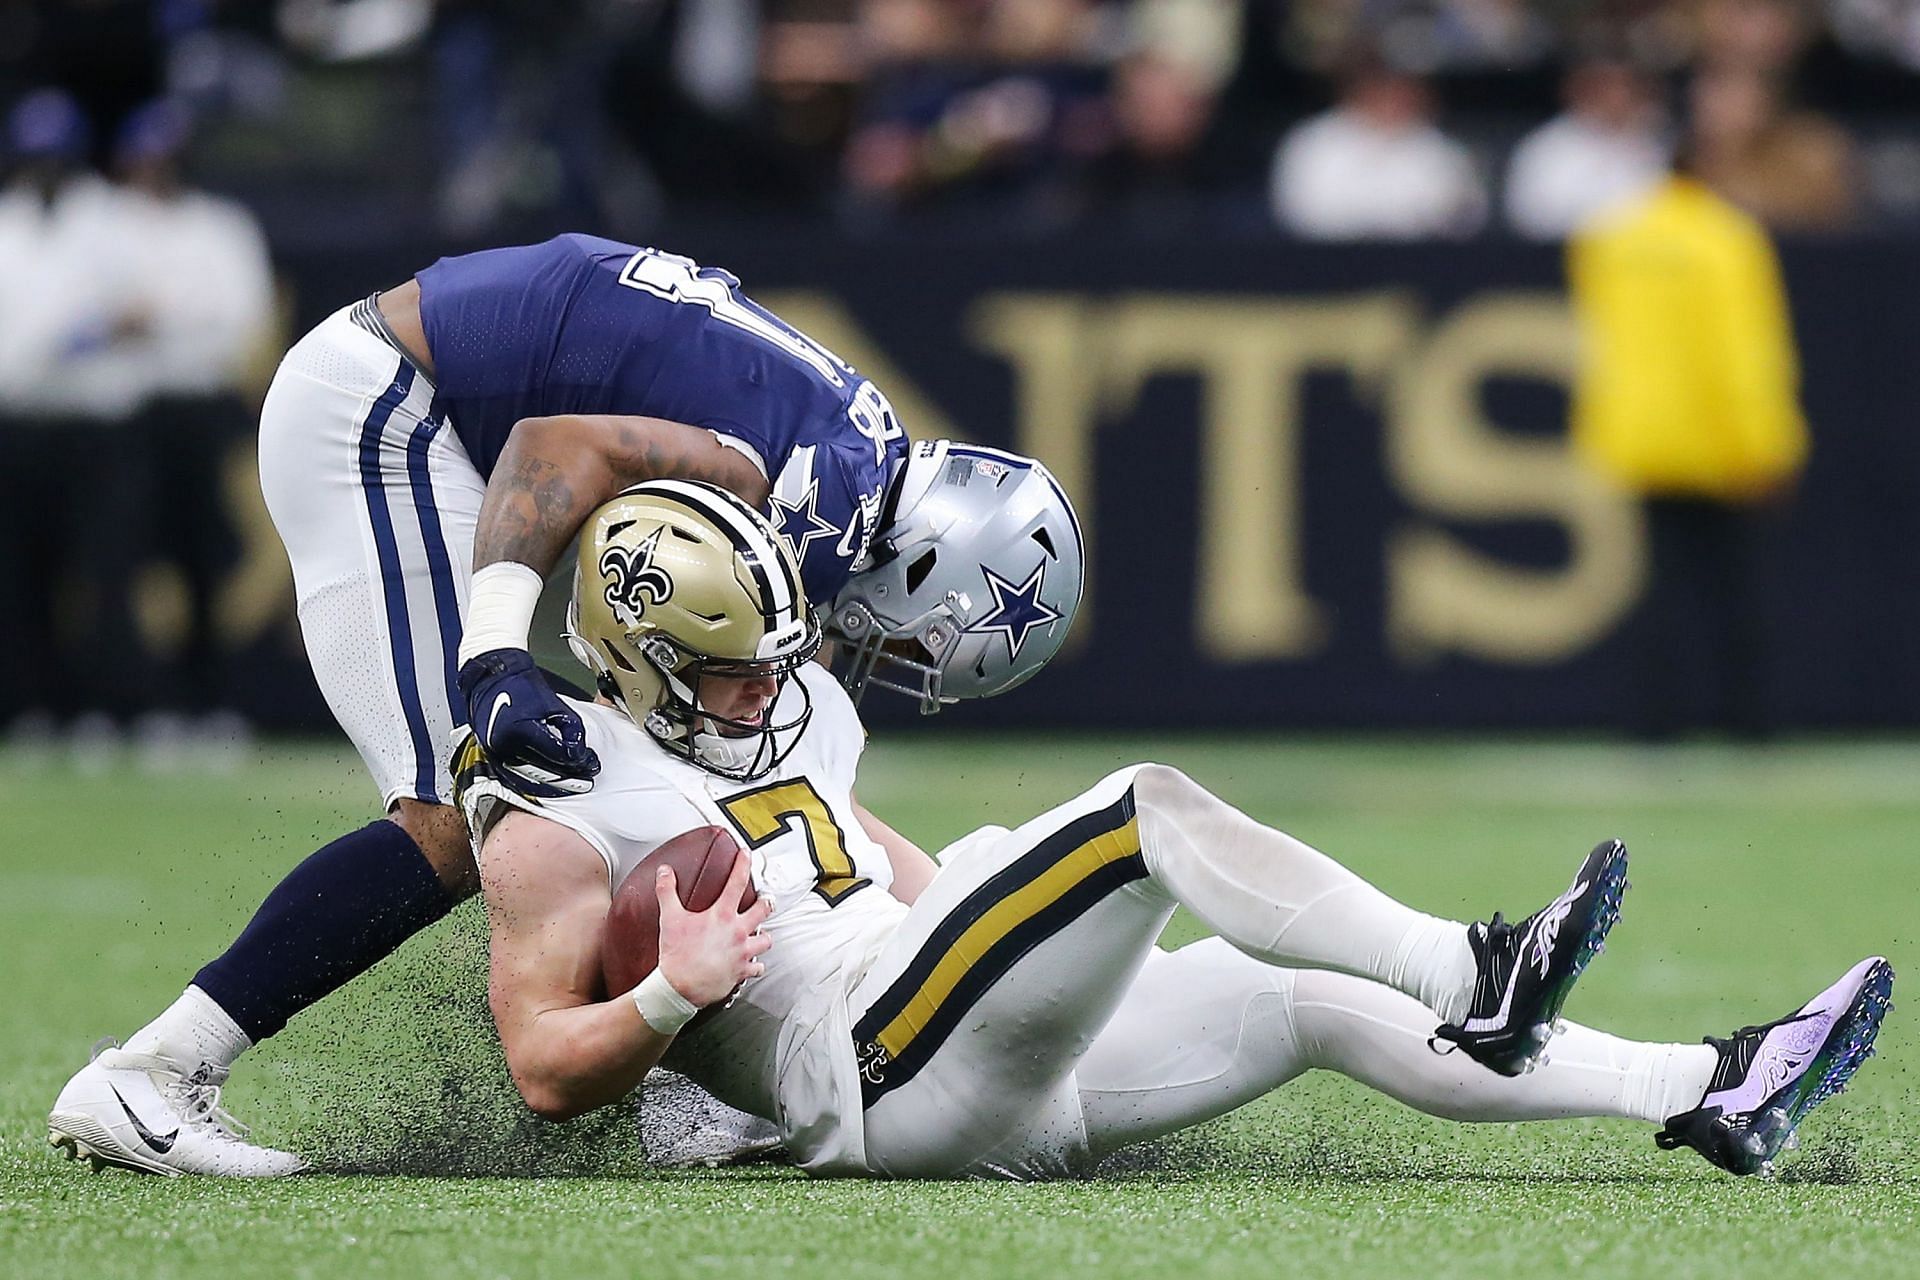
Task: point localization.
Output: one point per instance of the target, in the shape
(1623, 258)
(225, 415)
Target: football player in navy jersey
(426, 455)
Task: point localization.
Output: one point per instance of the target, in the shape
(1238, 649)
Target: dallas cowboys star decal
(1016, 610)
(800, 522)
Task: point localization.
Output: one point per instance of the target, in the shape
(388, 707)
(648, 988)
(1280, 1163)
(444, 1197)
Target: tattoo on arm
(531, 510)
(642, 452)
(553, 472)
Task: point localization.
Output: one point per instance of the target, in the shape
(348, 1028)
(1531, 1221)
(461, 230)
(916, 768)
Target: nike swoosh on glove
(531, 736)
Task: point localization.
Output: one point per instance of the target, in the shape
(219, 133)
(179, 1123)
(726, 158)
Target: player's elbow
(550, 1104)
(546, 1082)
(551, 439)
(562, 1077)
(550, 1098)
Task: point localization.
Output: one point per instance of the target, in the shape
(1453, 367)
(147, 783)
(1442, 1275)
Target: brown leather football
(701, 860)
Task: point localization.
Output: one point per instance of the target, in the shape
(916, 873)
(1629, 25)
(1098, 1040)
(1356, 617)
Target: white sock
(1434, 964)
(1669, 1079)
(193, 1030)
(1382, 1039)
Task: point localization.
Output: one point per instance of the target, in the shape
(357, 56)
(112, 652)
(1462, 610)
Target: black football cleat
(1769, 1077)
(1527, 970)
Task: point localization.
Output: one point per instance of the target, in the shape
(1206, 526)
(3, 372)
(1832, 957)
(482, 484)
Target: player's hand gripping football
(706, 955)
(536, 739)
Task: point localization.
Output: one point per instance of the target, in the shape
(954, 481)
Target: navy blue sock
(335, 916)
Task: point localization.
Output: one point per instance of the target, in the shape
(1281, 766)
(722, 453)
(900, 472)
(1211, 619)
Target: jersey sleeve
(826, 500)
(745, 448)
(631, 810)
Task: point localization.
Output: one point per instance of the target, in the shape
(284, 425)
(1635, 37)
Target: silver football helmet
(971, 582)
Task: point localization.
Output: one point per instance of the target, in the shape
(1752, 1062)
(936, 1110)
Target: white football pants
(377, 502)
(1021, 1023)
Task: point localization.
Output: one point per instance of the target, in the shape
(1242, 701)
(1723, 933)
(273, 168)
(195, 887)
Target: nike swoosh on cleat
(500, 704)
(160, 1142)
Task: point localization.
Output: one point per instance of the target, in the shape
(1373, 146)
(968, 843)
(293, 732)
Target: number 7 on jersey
(766, 813)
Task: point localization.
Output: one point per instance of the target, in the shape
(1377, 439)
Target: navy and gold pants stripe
(1037, 896)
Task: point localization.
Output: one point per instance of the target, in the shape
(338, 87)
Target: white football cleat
(138, 1111)
(682, 1126)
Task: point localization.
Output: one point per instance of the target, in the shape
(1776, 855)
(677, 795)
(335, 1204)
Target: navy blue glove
(527, 732)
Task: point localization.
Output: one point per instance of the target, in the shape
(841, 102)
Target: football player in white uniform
(1011, 1014)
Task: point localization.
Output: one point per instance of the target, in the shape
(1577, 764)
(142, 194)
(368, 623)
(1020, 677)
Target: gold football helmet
(677, 582)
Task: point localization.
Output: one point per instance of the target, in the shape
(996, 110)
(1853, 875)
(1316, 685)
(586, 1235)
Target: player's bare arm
(568, 1049)
(913, 870)
(552, 474)
(555, 471)
(547, 902)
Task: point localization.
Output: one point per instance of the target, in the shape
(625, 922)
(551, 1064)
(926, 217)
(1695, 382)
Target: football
(701, 860)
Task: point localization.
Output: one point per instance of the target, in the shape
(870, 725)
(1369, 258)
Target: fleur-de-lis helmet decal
(633, 579)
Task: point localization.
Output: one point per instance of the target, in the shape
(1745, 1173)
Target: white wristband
(665, 1009)
(500, 602)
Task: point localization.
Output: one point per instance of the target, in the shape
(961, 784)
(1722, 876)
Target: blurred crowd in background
(1324, 118)
(139, 316)
(132, 313)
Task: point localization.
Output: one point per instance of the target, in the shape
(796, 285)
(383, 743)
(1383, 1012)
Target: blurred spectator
(348, 30)
(1161, 169)
(107, 54)
(68, 381)
(203, 274)
(62, 316)
(1687, 396)
(1764, 36)
(919, 55)
(204, 280)
(522, 130)
(1794, 170)
(1604, 148)
(1462, 35)
(1376, 167)
(1202, 37)
(1008, 104)
(679, 88)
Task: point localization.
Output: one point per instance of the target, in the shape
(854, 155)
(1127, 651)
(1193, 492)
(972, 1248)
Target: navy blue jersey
(584, 325)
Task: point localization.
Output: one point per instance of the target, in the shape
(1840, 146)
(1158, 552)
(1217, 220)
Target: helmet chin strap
(735, 754)
(691, 730)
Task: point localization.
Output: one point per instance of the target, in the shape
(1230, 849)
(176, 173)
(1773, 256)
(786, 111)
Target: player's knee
(1163, 797)
(441, 834)
(1156, 784)
(1325, 1009)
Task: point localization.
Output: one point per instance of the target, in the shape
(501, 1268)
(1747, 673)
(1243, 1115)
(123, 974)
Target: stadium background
(1339, 535)
(1326, 474)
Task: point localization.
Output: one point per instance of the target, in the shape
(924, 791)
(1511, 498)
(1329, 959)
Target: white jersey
(763, 1052)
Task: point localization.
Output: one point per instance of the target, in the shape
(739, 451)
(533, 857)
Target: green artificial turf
(1758, 876)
